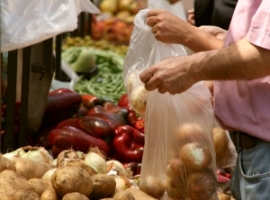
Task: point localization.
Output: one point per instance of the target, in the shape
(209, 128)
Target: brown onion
(152, 186)
(191, 132)
(201, 185)
(176, 169)
(195, 156)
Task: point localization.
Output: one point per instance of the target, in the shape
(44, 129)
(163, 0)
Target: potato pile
(69, 177)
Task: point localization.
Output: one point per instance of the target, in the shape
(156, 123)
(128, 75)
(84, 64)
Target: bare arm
(169, 28)
(241, 60)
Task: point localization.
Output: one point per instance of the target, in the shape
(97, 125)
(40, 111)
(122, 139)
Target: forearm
(241, 61)
(199, 40)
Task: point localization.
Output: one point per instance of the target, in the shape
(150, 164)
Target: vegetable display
(105, 79)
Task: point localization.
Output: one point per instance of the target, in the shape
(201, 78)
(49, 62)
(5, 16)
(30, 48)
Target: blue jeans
(251, 180)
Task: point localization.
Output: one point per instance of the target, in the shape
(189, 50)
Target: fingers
(154, 12)
(151, 21)
(149, 79)
(152, 18)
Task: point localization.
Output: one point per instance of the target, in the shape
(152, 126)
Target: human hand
(173, 75)
(219, 33)
(167, 27)
(191, 16)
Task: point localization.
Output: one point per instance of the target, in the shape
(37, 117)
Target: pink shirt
(245, 105)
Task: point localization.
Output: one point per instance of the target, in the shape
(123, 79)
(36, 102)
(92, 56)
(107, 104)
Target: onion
(38, 154)
(175, 168)
(122, 183)
(201, 185)
(191, 132)
(14, 154)
(175, 191)
(195, 156)
(152, 186)
(66, 154)
(48, 174)
(116, 166)
(138, 99)
(95, 159)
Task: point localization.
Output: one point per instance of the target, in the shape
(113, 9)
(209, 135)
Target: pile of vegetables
(88, 41)
(105, 69)
(31, 173)
(115, 135)
(83, 121)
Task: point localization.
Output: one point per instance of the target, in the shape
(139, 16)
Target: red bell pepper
(139, 125)
(128, 143)
(132, 117)
(123, 102)
(70, 137)
(98, 123)
(62, 104)
(89, 101)
(114, 109)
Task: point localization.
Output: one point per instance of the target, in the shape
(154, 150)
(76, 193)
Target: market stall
(74, 123)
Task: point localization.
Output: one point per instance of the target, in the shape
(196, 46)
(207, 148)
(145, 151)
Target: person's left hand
(167, 27)
(173, 75)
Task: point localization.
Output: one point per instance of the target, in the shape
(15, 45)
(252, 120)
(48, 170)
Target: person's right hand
(219, 33)
(167, 27)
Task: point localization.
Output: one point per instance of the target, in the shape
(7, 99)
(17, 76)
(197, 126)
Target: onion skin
(176, 170)
(195, 156)
(176, 188)
(191, 132)
(152, 186)
(201, 185)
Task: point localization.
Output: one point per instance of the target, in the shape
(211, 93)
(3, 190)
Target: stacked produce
(84, 121)
(31, 173)
(101, 44)
(116, 22)
(100, 70)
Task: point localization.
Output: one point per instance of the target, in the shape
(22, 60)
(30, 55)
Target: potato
(152, 186)
(75, 196)
(49, 194)
(195, 156)
(78, 163)
(139, 195)
(220, 141)
(13, 181)
(71, 179)
(39, 185)
(25, 195)
(6, 164)
(29, 168)
(123, 195)
(201, 185)
(103, 186)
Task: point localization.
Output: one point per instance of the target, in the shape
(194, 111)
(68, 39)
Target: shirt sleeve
(259, 32)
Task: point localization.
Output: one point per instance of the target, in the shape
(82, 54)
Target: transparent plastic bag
(179, 155)
(225, 150)
(24, 23)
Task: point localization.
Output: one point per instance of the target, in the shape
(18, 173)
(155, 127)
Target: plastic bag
(225, 150)
(179, 156)
(24, 23)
